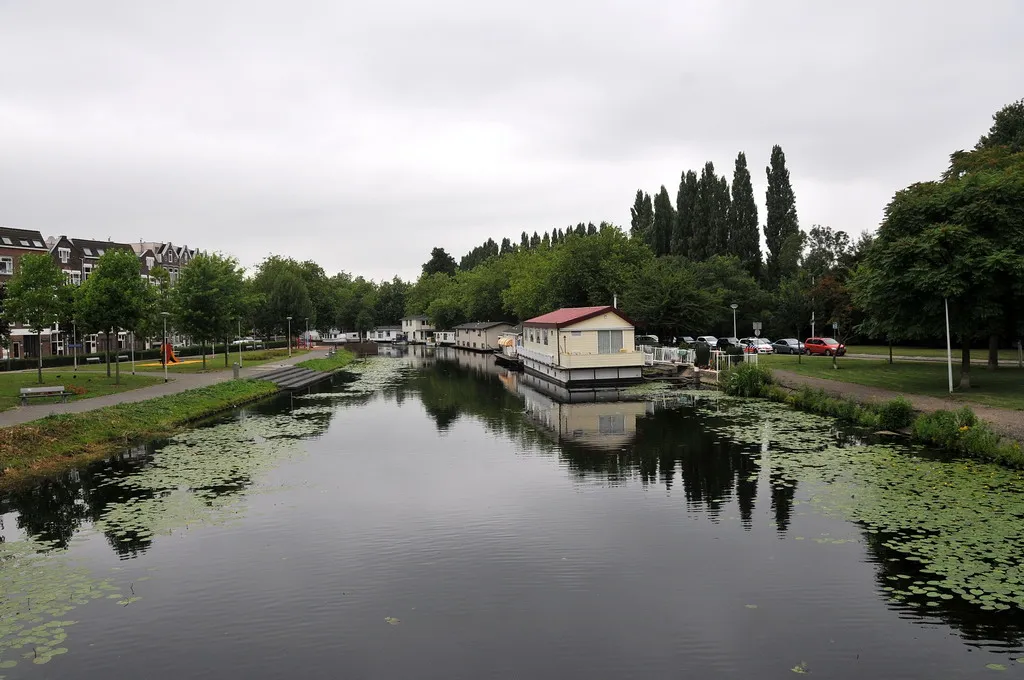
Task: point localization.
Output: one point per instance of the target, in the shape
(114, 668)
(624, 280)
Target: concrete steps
(293, 377)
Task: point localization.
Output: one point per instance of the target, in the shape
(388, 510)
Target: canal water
(432, 516)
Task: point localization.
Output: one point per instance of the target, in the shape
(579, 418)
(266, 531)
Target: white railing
(537, 356)
(666, 355)
(723, 361)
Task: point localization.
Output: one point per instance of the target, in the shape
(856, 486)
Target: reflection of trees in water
(973, 624)
(56, 508)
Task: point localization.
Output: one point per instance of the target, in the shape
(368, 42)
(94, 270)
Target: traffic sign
(835, 325)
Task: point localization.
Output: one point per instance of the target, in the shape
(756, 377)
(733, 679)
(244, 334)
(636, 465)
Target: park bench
(122, 357)
(51, 391)
(93, 360)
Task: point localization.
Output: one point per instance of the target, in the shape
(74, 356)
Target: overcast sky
(363, 134)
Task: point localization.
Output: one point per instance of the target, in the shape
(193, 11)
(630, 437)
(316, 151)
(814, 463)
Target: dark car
(826, 346)
(687, 340)
(789, 346)
(726, 343)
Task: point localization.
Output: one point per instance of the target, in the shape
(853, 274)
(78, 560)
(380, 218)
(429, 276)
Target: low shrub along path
(1008, 422)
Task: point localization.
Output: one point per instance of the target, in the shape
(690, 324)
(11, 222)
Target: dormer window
(64, 254)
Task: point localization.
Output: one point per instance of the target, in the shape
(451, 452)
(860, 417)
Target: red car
(825, 346)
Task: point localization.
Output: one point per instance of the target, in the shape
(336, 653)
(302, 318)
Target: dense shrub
(702, 354)
(960, 431)
(895, 414)
(747, 380)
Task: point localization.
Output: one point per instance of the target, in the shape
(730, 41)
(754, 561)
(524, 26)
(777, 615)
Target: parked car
(789, 346)
(726, 343)
(824, 346)
(645, 340)
(687, 340)
(710, 339)
(757, 345)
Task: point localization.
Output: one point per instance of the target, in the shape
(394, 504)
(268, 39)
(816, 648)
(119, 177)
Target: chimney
(615, 300)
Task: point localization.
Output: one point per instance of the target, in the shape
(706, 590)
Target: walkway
(178, 383)
(1008, 422)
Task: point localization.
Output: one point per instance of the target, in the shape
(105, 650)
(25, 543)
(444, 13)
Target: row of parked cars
(820, 346)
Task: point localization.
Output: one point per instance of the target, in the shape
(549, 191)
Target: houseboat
(480, 336)
(507, 353)
(385, 334)
(444, 338)
(417, 329)
(582, 347)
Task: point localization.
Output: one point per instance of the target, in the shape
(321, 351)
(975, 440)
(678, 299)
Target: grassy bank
(957, 431)
(1003, 388)
(1005, 355)
(59, 441)
(339, 359)
(84, 384)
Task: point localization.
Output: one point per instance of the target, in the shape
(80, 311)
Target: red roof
(570, 315)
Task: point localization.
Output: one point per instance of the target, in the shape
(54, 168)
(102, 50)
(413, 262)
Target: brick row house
(15, 244)
(77, 258)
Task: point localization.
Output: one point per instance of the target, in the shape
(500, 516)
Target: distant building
(417, 329)
(385, 334)
(481, 336)
(15, 244)
(581, 346)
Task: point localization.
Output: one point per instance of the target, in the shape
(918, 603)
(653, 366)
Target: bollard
(234, 370)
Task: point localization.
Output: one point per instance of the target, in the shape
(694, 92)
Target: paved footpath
(1008, 422)
(177, 383)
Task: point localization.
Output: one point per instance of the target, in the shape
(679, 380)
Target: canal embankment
(58, 441)
(986, 433)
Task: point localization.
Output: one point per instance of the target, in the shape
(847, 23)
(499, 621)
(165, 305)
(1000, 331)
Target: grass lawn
(92, 383)
(1007, 355)
(340, 359)
(215, 362)
(59, 441)
(1003, 388)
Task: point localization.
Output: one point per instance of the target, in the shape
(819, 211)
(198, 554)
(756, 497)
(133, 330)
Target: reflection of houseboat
(581, 347)
(597, 425)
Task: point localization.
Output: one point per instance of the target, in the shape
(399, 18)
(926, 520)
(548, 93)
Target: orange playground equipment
(169, 355)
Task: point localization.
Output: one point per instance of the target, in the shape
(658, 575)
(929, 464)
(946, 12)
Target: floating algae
(959, 520)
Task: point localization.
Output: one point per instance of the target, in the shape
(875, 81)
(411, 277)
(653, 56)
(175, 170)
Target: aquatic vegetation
(39, 589)
(747, 380)
(958, 520)
(895, 414)
(961, 431)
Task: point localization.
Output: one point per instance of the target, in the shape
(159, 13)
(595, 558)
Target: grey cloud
(363, 134)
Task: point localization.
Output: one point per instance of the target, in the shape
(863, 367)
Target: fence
(723, 361)
(666, 355)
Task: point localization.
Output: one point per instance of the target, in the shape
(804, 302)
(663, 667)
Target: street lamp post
(734, 306)
(240, 343)
(307, 332)
(163, 348)
(74, 343)
(289, 336)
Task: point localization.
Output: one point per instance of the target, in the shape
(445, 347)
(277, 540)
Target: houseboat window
(613, 424)
(577, 334)
(609, 342)
(546, 334)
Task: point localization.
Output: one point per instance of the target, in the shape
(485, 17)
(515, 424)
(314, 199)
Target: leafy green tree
(389, 305)
(827, 251)
(5, 324)
(535, 240)
(545, 241)
(524, 241)
(1007, 129)
(744, 235)
(682, 235)
(210, 295)
(664, 221)
(710, 234)
(530, 273)
(506, 247)
(440, 262)
(33, 296)
(114, 297)
(728, 282)
(781, 222)
(792, 313)
(427, 288)
(641, 223)
(664, 296)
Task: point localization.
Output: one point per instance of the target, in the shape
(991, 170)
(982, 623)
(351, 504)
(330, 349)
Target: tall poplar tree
(710, 231)
(664, 220)
(685, 198)
(781, 222)
(744, 236)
